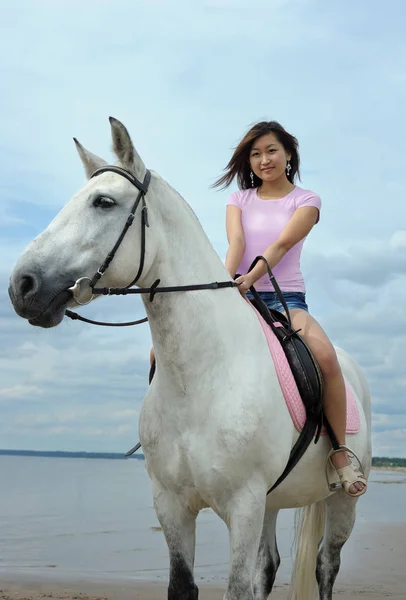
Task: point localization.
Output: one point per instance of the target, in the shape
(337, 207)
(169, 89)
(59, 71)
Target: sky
(188, 79)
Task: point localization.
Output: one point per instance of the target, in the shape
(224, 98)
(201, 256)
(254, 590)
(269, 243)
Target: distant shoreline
(63, 454)
(379, 463)
(389, 468)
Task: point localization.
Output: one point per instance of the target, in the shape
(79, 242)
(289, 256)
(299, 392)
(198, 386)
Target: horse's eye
(103, 202)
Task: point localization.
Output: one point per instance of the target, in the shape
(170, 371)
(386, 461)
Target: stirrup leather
(336, 485)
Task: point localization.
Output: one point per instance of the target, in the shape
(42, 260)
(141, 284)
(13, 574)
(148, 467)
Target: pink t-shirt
(263, 222)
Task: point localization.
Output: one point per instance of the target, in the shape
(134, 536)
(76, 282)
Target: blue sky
(187, 79)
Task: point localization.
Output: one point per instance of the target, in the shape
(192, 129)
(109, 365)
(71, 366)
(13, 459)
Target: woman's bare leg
(334, 398)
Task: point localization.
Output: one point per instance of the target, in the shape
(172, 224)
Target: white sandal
(348, 475)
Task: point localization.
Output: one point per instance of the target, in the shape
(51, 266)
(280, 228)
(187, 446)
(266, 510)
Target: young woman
(271, 216)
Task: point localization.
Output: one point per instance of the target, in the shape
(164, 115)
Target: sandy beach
(157, 591)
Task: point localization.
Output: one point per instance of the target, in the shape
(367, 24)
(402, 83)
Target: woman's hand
(245, 282)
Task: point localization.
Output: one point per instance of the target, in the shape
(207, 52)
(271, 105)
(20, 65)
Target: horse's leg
(245, 517)
(268, 559)
(340, 518)
(179, 526)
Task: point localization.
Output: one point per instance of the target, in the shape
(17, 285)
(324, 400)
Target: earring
(252, 179)
(288, 168)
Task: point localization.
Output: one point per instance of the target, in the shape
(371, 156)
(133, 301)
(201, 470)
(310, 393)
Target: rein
(75, 317)
(90, 290)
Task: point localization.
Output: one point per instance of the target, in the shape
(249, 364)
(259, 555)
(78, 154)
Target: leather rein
(84, 288)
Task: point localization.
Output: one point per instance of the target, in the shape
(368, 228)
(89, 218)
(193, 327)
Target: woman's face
(268, 158)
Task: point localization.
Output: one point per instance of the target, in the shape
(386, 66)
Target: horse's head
(77, 241)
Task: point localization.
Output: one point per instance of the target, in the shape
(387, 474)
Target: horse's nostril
(28, 285)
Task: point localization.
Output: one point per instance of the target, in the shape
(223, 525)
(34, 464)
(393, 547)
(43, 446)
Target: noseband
(84, 290)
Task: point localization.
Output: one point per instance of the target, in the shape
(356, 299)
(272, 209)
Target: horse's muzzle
(41, 303)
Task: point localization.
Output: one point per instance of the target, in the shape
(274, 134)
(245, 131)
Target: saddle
(307, 375)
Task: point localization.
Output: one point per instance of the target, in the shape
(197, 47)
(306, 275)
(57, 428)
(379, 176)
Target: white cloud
(389, 443)
(19, 392)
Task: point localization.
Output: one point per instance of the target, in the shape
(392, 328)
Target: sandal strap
(348, 476)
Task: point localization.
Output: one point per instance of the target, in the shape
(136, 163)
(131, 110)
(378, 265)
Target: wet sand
(157, 591)
(376, 570)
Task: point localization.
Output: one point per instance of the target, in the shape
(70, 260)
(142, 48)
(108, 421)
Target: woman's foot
(352, 480)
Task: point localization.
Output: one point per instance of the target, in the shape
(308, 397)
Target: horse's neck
(185, 254)
(189, 326)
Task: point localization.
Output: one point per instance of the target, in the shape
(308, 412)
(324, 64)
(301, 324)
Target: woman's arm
(236, 239)
(301, 223)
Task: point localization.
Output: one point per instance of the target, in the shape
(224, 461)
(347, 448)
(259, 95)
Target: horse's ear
(125, 151)
(90, 161)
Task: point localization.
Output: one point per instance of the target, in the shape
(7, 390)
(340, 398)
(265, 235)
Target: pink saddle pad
(289, 388)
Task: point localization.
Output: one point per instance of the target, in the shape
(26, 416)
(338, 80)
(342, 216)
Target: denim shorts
(292, 299)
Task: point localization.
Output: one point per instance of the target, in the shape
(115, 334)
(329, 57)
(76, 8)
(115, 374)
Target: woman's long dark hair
(239, 165)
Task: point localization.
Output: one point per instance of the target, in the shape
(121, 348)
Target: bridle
(84, 290)
(142, 190)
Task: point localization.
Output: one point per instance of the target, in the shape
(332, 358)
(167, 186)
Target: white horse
(214, 425)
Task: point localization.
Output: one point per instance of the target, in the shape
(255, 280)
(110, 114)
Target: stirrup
(336, 485)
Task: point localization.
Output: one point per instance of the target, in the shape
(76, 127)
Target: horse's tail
(309, 528)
